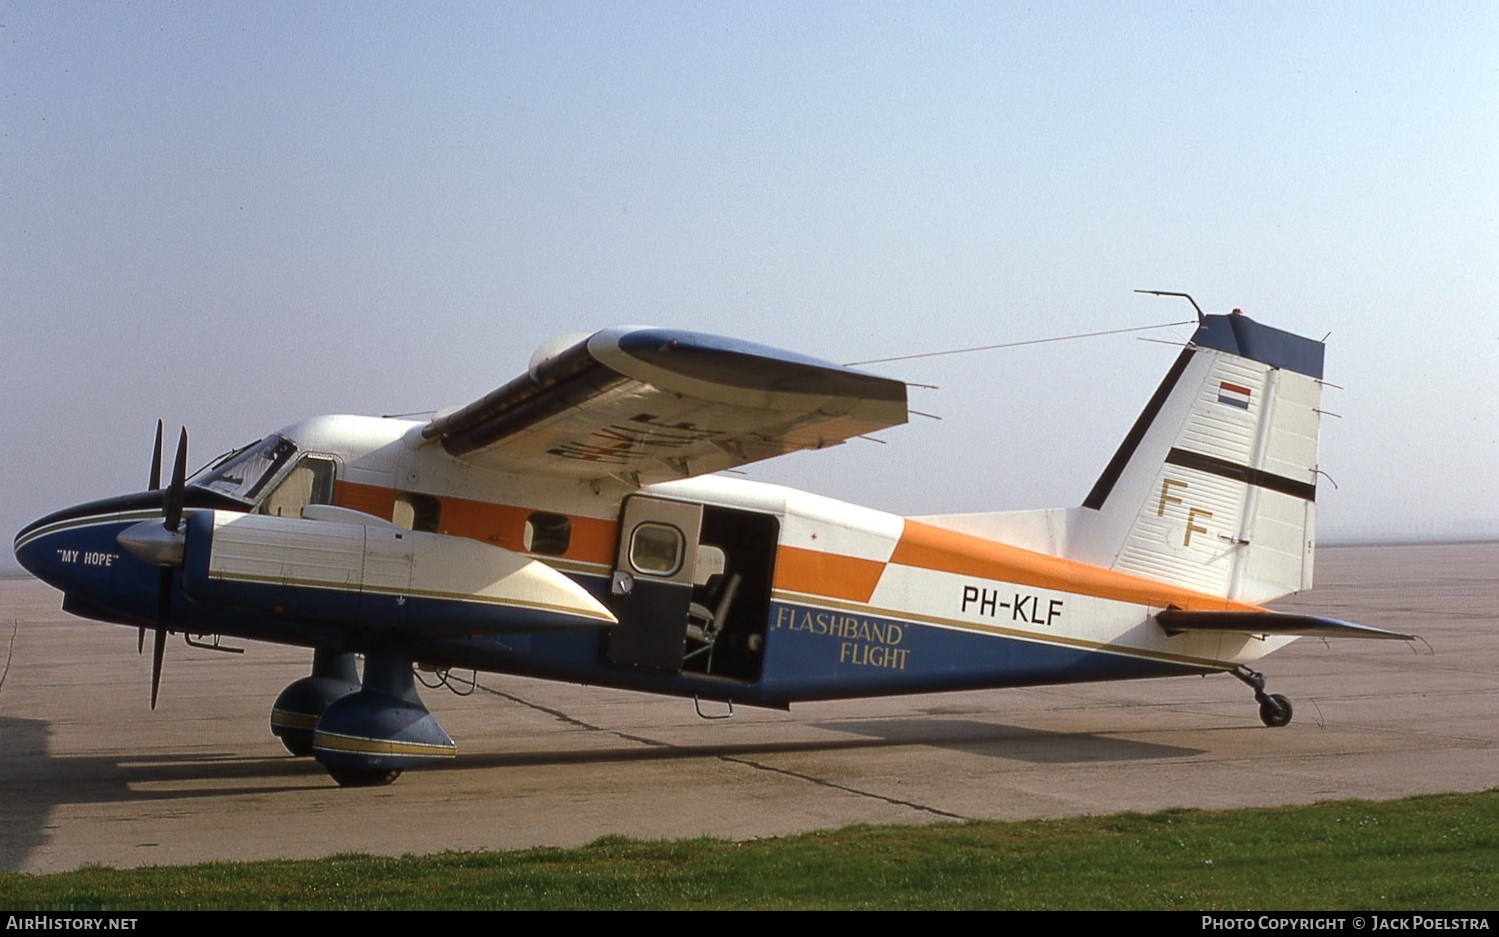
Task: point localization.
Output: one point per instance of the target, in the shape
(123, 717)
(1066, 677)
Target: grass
(1424, 853)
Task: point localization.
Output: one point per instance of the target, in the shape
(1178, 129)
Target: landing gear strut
(1275, 709)
(367, 738)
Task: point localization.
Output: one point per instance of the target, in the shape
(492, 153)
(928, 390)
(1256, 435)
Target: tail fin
(1214, 488)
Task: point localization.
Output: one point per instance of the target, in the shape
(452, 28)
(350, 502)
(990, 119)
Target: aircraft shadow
(1013, 743)
(22, 826)
(40, 783)
(969, 736)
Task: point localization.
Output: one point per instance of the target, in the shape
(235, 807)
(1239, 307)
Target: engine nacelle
(377, 576)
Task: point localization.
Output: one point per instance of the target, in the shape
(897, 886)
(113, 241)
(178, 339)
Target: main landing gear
(364, 735)
(295, 713)
(1275, 709)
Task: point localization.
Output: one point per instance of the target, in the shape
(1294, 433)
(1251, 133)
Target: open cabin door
(651, 591)
(691, 588)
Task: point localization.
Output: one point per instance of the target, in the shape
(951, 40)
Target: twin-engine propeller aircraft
(569, 525)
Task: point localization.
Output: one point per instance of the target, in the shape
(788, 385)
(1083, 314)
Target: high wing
(647, 404)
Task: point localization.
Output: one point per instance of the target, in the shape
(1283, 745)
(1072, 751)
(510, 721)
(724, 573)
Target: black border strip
(1257, 477)
(1115, 468)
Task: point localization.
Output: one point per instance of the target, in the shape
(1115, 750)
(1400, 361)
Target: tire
(1275, 711)
(363, 777)
(299, 743)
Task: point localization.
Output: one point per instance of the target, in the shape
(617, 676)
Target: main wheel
(1275, 711)
(298, 743)
(363, 777)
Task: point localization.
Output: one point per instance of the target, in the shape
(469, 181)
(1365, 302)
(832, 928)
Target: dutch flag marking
(1235, 395)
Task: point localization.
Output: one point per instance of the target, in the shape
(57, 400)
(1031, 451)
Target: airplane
(575, 524)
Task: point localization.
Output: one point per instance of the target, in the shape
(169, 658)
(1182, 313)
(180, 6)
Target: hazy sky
(234, 215)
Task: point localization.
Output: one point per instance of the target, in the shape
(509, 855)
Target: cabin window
(547, 533)
(656, 549)
(416, 512)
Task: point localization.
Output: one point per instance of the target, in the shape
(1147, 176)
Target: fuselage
(721, 588)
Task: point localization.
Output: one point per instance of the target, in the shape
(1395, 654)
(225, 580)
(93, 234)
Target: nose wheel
(1275, 709)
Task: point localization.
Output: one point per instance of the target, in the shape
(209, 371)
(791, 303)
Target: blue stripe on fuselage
(816, 653)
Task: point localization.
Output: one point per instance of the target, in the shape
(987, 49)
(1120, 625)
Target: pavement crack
(893, 801)
(730, 759)
(572, 720)
(10, 650)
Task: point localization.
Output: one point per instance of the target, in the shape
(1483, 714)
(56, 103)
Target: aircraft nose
(76, 549)
(67, 555)
(25, 552)
(37, 550)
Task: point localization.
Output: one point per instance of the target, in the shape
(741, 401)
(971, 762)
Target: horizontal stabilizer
(1178, 621)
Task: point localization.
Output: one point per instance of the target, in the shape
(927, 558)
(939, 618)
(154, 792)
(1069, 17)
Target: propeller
(172, 521)
(161, 545)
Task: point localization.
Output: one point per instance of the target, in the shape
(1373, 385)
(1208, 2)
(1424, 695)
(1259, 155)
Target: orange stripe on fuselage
(503, 525)
(371, 499)
(827, 574)
(924, 546)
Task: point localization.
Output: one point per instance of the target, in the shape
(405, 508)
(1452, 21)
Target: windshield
(243, 474)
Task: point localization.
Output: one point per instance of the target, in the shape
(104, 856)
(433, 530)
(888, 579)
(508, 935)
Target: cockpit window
(309, 482)
(243, 475)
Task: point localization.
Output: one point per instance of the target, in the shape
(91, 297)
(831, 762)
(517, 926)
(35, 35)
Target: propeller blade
(173, 508)
(158, 650)
(151, 485)
(163, 618)
(156, 462)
